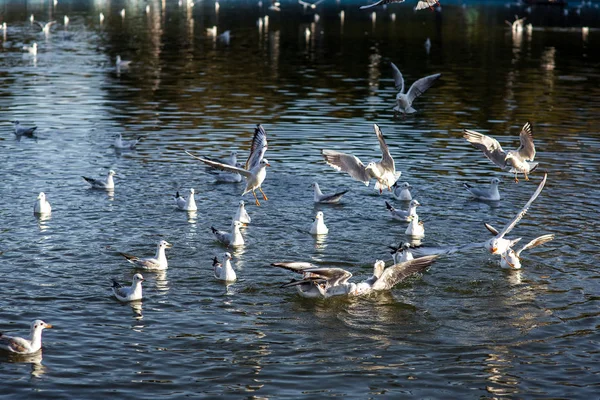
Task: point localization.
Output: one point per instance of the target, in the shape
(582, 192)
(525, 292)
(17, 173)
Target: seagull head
(264, 162)
(138, 278)
(41, 196)
(16, 122)
(319, 215)
(38, 325)
(414, 203)
(241, 203)
(192, 191)
(492, 245)
(237, 224)
(163, 244)
(495, 181)
(111, 173)
(226, 256)
(370, 166)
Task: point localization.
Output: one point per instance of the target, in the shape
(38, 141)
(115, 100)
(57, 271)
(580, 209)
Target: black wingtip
(115, 284)
(212, 228)
(389, 206)
(467, 186)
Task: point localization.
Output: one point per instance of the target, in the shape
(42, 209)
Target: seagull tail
(115, 284)
(389, 206)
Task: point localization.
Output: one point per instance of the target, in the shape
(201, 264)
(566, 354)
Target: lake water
(463, 329)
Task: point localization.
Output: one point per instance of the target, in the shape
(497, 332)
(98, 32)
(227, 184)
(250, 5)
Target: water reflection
(35, 359)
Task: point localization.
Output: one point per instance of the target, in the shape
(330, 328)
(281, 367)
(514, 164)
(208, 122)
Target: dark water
(464, 329)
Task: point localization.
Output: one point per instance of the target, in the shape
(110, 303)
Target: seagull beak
(169, 245)
(268, 165)
(48, 326)
(494, 250)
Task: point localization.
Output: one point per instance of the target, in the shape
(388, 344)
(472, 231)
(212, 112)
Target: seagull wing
(258, 148)
(14, 344)
(298, 267)
(420, 86)
(398, 79)
(347, 163)
(421, 4)
(334, 276)
(398, 272)
(386, 158)
(490, 146)
(333, 197)
(521, 213)
(535, 242)
(491, 229)
(222, 167)
(527, 149)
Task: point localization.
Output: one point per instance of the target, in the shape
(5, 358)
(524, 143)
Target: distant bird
(101, 18)
(125, 144)
(158, 262)
(421, 4)
(402, 191)
(120, 63)
(31, 49)
(275, 5)
(148, 9)
(14, 344)
(517, 24)
(319, 197)
(403, 215)
(122, 13)
(42, 206)
(128, 293)
(223, 270)
(212, 31)
(384, 171)
(45, 27)
(225, 37)
(65, 21)
(415, 228)
(491, 193)
(306, 4)
(427, 45)
(241, 214)
(188, 204)
(23, 131)
(519, 161)
(318, 226)
(223, 176)
(31, 18)
(511, 259)
(402, 253)
(233, 238)
(108, 184)
(404, 101)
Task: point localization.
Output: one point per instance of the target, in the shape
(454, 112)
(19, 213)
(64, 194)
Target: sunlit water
(464, 329)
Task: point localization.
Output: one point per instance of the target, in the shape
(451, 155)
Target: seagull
(128, 293)
(224, 271)
(490, 193)
(402, 253)
(517, 160)
(415, 228)
(319, 197)
(401, 214)
(158, 262)
(498, 244)
(45, 27)
(108, 184)
(383, 171)
(517, 24)
(42, 206)
(421, 4)
(233, 238)
(120, 63)
(188, 204)
(14, 344)
(402, 191)
(225, 37)
(404, 100)
(318, 226)
(22, 131)
(310, 286)
(122, 13)
(511, 259)
(212, 31)
(275, 5)
(101, 17)
(65, 21)
(31, 49)
(125, 144)
(255, 168)
(241, 214)
(306, 4)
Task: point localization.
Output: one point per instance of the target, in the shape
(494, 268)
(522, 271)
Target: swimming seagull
(223, 270)
(404, 100)
(402, 191)
(120, 63)
(415, 228)
(511, 259)
(318, 226)
(108, 184)
(31, 49)
(255, 168)
(421, 4)
(498, 244)
(517, 159)
(241, 214)
(14, 344)
(125, 144)
(45, 27)
(383, 171)
(158, 262)
(128, 293)
(188, 204)
(402, 253)
(233, 238)
(401, 214)
(42, 206)
(319, 197)
(491, 193)
(22, 131)
(65, 21)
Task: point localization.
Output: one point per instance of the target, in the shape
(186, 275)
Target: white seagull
(511, 259)
(255, 168)
(318, 226)
(108, 184)
(319, 197)
(233, 238)
(384, 171)
(241, 214)
(519, 160)
(42, 206)
(188, 204)
(223, 270)
(31, 49)
(415, 228)
(402, 191)
(125, 144)
(498, 244)
(128, 293)
(23, 131)
(120, 63)
(14, 344)
(401, 214)
(421, 4)
(158, 262)
(404, 100)
(402, 253)
(491, 193)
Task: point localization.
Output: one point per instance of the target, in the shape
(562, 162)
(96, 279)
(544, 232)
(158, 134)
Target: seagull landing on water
(156, 263)
(319, 197)
(19, 345)
(108, 184)
(128, 293)
(404, 101)
(518, 161)
(223, 270)
(490, 193)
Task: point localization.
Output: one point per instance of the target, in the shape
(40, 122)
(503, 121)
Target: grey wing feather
(333, 197)
(386, 158)
(521, 213)
(149, 263)
(347, 163)
(258, 148)
(16, 344)
(298, 267)
(421, 4)
(491, 229)
(535, 242)
(398, 272)
(94, 182)
(420, 86)
(490, 146)
(526, 150)
(222, 167)
(334, 276)
(398, 78)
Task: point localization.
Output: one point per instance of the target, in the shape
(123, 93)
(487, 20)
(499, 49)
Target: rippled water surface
(463, 329)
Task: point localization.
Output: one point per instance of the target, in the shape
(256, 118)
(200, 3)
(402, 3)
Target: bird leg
(263, 193)
(256, 198)
(526, 177)
(516, 177)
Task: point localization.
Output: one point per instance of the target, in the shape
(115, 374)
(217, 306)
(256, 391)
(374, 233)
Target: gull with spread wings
(421, 4)
(384, 171)
(404, 100)
(519, 160)
(255, 169)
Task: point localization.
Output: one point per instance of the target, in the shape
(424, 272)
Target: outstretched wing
(222, 167)
(398, 79)
(258, 148)
(490, 228)
(420, 86)
(398, 272)
(490, 146)
(298, 267)
(334, 276)
(386, 158)
(526, 150)
(521, 213)
(421, 4)
(535, 242)
(347, 163)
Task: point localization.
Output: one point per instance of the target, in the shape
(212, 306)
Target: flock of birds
(316, 281)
